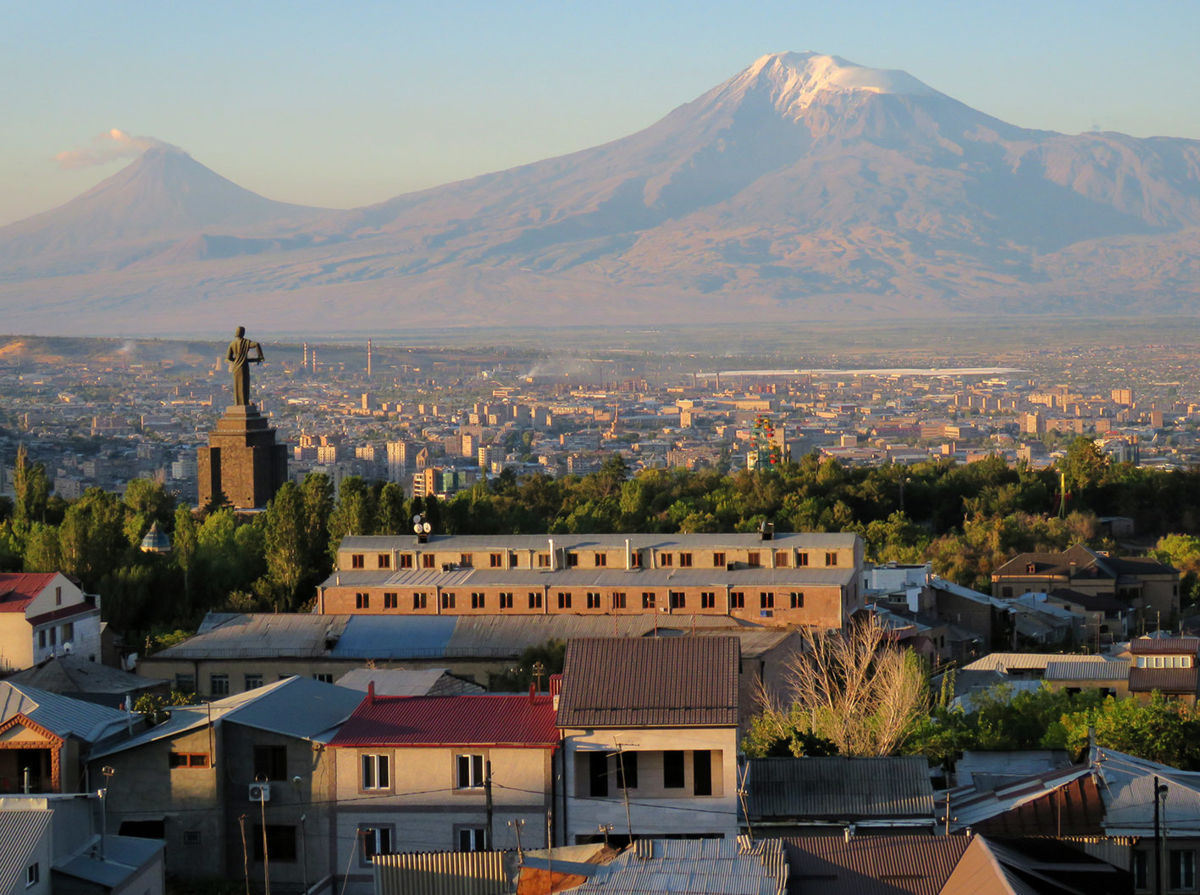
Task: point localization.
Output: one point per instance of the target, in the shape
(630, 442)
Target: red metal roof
(1164, 646)
(463, 720)
(61, 613)
(17, 589)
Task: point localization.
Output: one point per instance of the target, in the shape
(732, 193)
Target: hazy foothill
(804, 186)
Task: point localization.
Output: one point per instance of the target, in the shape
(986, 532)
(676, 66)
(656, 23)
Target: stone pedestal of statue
(242, 465)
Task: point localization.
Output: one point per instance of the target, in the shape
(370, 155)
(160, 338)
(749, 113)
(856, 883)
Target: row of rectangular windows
(599, 560)
(677, 600)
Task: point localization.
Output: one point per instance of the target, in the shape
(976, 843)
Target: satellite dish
(417, 529)
(428, 528)
(417, 518)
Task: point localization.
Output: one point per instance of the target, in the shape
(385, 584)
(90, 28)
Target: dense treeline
(966, 519)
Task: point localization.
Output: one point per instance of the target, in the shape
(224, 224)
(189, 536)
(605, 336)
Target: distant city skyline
(346, 106)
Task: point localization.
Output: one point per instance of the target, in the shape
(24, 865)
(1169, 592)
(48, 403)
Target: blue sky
(343, 104)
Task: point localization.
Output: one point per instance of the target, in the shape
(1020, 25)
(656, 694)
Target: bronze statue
(239, 360)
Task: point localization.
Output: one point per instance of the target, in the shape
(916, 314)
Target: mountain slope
(803, 185)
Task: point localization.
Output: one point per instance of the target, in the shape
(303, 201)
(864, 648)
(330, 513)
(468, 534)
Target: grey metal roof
(694, 867)
(74, 674)
(838, 788)
(514, 633)
(237, 635)
(1008, 662)
(732, 540)
(395, 637)
(20, 833)
(1067, 668)
(650, 682)
(871, 865)
(606, 579)
(407, 682)
(124, 857)
(61, 715)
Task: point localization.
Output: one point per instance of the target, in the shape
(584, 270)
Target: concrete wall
(16, 642)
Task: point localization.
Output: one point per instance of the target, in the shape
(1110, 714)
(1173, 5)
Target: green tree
(393, 518)
(354, 513)
(31, 490)
(287, 551)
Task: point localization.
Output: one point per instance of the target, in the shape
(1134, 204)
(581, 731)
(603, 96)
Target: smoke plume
(107, 147)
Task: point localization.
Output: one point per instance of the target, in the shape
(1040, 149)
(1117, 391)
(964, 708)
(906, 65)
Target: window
(781, 559)
(472, 839)
(419, 600)
(535, 600)
(766, 600)
(1141, 870)
(185, 683)
(357, 561)
(506, 601)
(362, 601)
(572, 560)
(678, 600)
(53, 636)
(797, 599)
(187, 759)
(627, 770)
(1006, 592)
(598, 775)
(543, 560)
(753, 559)
(191, 837)
(708, 599)
(58, 596)
(496, 560)
(447, 601)
(665, 560)
(375, 841)
(831, 558)
(600, 560)
(406, 561)
(270, 762)
(252, 681)
(68, 632)
(280, 842)
(685, 560)
(323, 677)
(702, 773)
(1183, 869)
(673, 769)
(718, 560)
(42, 639)
(218, 684)
(428, 561)
(33, 873)
(375, 770)
(390, 601)
(464, 559)
(593, 600)
(648, 600)
(801, 560)
(469, 771)
(636, 556)
(478, 601)
(737, 600)
(618, 600)
(384, 560)
(564, 600)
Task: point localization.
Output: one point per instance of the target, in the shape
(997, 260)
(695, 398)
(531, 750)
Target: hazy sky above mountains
(348, 104)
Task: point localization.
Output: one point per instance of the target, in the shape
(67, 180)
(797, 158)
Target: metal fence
(445, 873)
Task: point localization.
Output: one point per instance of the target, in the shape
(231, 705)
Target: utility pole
(1160, 790)
(516, 827)
(487, 794)
(262, 802)
(108, 774)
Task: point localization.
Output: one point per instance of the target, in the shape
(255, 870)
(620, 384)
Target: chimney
(766, 531)
(553, 557)
(532, 692)
(371, 692)
(628, 556)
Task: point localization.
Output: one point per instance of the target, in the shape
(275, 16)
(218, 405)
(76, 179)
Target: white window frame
(475, 768)
(477, 842)
(1185, 858)
(381, 836)
(370, 767)
(33, 875)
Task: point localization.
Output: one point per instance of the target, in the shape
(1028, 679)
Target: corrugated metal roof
(74, 674)
(1166, 680)
(473, 543)
(650, 682)
(405, 682)
(514, 633)
(1157, 646)
(233, 636)
(61, 715)
(394, 637)
(442, 873)
(1127, 788)
(838, 788)
(18, 589)
(466, 720)
(20, 833)
(605, 578)
(1006, 662)
(969, 807)
(694, 867)
(124, 857)
(1069, 668)
(871, 865)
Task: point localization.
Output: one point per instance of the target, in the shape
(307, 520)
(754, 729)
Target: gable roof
(1164, 646)
(76, 675)
(1033, 867)
(465, 720)
(725, 866)
(1079, 561)
(20, 831)
(18, 589)
(839, 789)
(871, 865)
(61, 715)
(650, 682)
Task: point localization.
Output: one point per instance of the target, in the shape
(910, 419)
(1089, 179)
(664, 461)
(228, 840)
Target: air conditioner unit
(260, 792)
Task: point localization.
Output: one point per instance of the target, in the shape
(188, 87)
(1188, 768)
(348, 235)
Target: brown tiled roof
(871, 865)
(1164, 646)
(650, 682)
(1166, 680)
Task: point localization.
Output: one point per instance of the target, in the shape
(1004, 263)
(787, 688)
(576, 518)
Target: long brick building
(811, 579)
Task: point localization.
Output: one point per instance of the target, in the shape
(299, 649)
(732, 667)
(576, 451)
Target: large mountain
(806, 187)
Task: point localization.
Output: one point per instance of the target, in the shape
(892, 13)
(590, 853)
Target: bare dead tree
(856, 687)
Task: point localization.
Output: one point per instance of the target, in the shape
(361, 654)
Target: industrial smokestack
(305, 364)
(368, 358)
